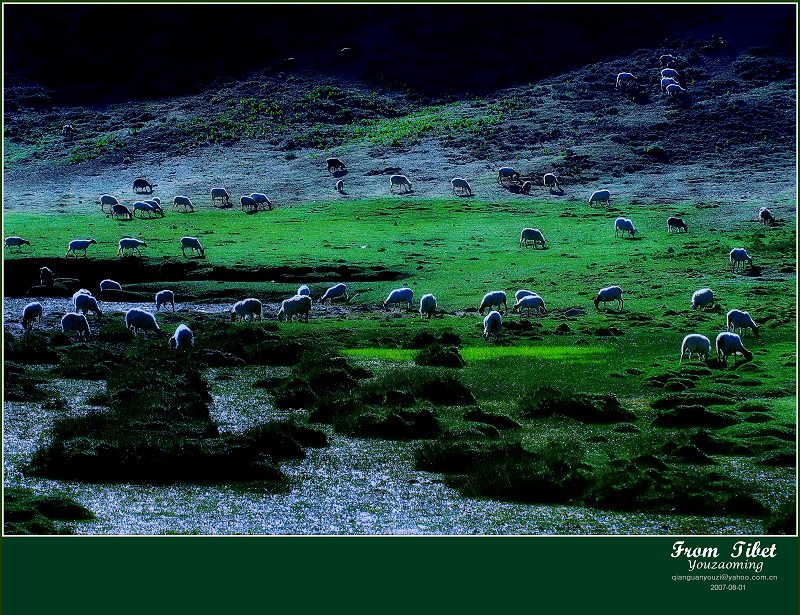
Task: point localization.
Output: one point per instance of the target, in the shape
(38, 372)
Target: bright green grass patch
(477, 353)
(384, 354)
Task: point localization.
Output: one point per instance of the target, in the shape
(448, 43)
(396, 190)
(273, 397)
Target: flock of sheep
(669, 78)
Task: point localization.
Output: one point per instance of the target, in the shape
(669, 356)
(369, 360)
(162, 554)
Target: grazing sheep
(75, 322)
(261, 199)
(248, 203)
(624, 79)
(700, 345)
(85, 302)
(182, 339)
(731, 344)
(610, 293)
(129, 243)
(68, 131)
(400, 295)
(109, 200)
(399, 180)
(599, 196)
(304, 290)
(530, 302)
(110, 285)
(673, 89)
(507, 173)
(551, 181)
(765, 216)
(31, 313)
(622, 225)
(334, 292)
(335, 165)
(246, 309)
(182, 201)
(79, 244)
(157, 200)
(737, 319)
(46, 276)
(16, 241)
(143, 207)
(139, 320)
(674, 222)
(222, 195)
(670, 73)
(156, 205)
(739, 256)
(531, 235)
(527, 186)
(142, 185)
(524, 293)
(668, 81)
(462, 185)
(194, 244)
(121, 211)
(299, 305)
(163, 297)
(339, 186)
(492, 325)
(667, 59)
(702, 298)
(427, 305)
(495, 297)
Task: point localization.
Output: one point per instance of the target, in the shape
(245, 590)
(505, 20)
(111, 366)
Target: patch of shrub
(500, 421)
(783, 520)
(33, 347)
(26, 512)
(694, 416)
(395, 424)
(546, 401)
(438, 355)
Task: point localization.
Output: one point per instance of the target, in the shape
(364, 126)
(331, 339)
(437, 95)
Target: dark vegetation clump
(87, 362)
(783, 520)
(396, 424)
(33, 347)
(500, 421)
(597, 409)
(684, 399)
(20, 385)
(28, 513)
(694, 416)
(252, 343)
(447, 337)
(439, 355)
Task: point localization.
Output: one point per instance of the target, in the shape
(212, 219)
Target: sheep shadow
(513, 188)
(559, 192)
(753, 271)
(463, 195)
(339, 174)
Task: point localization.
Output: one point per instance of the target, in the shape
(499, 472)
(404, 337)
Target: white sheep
(182, 201)
(121, 211)
(68, 131)
(79, 244)
(183, 338)
(673, 89)
(669, 73)
(531, 235)
(674, 222)
(246, 309)
(299, 305)
(334, 292)
(222, 195)
(85, 302)
(610, 293)
(668, 81)
(427, 305)
(765, 216)
(194, 244)
(164, 297)
(304, 290)
(32, 313)
(110, 285)
(400, 295)
(622, 225)
(340, 186)
(399, 180)
(75, 322)
(16, 241)
(731, 344)
(526, 188)
(130, 243)
(624, 79)
(507, 173)
(599, 196)
(524, 293)
(157, 200)
(702, 298)
(156, 205)
(462, 184)
(551, 181)
(495, 297)
(667, 59)
(144, 207)
(739, 256)
(261, 199)
(492, 325)
(139, 320)
(46, 276)
(107, 199)
(695, 343)
(530, 302)
(248, 203)
(738, 319)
